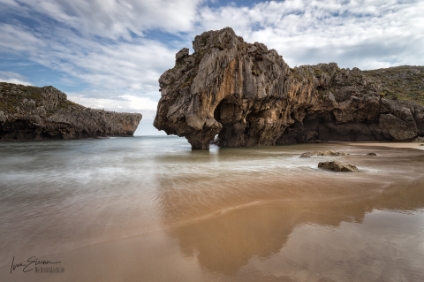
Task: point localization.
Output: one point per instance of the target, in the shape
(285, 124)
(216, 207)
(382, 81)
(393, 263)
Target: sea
(148, 208)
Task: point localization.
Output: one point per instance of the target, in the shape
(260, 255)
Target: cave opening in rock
(217, 113)
(226, 111)
(229, 114)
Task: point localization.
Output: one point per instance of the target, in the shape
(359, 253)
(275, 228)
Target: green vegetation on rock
(28, 98)
(12, 95)
(403, 82)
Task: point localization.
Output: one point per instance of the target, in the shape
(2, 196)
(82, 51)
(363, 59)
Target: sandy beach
(246, 214)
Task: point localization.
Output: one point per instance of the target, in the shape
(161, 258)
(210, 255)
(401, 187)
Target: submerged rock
(247, 95)
(337, 166)
(33, 113)
(371, 154)
(306, 155)
(322, 153)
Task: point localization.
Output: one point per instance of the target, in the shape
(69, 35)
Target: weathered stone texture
(247, 95)
(337, 166)
(32, 113)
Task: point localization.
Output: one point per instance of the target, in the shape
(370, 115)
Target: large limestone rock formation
(32, 113)
(247, 95)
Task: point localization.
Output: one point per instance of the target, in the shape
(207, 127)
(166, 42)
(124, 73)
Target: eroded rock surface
(247, 95)
(337, 166)
(33, 113)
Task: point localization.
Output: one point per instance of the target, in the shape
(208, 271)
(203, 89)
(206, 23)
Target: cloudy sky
(110, 53)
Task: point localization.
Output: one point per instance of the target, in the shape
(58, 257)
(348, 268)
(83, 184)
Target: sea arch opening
(229, 113)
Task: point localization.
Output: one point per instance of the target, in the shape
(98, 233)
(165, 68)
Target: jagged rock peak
(247, 95)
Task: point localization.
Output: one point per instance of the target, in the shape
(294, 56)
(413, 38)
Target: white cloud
(353, 33)
(125, 102)
(116, 65)
(117, 19)
(11, 3)
(18, 39)
(366, 34)
(12, 77)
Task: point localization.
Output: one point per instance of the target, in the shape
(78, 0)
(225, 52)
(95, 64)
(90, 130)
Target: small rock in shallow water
(421, 144)
(337, 166)
(306, 155)
(372, 154)
(323, 153)
(316, 141)
(419, 139)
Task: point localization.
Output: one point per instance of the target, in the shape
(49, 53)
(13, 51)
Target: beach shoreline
(394, 145)
(235, 214)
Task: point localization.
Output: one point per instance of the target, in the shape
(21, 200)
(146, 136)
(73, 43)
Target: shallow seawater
(150, 209)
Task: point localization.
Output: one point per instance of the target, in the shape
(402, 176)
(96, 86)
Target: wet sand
(252, 214)
(376, 236)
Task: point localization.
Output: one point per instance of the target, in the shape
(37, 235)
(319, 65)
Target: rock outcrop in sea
(322, 154)
(337, 166)
(234, 94)
(33, 113)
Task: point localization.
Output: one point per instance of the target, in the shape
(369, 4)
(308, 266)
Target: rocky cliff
(33, 113)
(247, 95)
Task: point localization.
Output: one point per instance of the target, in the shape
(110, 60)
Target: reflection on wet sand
(360, 239)
(258, 215)
(226, 243)
(230, 228)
